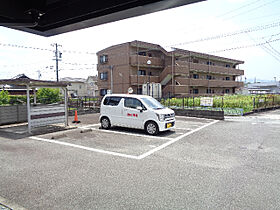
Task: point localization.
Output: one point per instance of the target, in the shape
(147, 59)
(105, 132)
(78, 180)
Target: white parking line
(125, 155)
(89, 126)
(174, 140)
(85, 148)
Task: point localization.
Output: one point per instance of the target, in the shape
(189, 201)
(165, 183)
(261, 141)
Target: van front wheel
(151, 128)
(105, 123)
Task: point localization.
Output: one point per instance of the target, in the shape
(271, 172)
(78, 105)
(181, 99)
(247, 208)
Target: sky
(247, 30)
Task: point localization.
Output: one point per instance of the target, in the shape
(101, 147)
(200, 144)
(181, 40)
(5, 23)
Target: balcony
(214, 83)
(143, 79)
(215, 69)
(199, 82)
(178, 89)
(143, 61)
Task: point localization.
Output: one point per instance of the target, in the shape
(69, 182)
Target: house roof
(52, 17)
(264, 84)
(205, 56)
(32, 82)
(94, 78)
(71, 80)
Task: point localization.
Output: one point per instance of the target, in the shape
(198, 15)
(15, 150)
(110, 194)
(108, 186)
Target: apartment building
(179, 72)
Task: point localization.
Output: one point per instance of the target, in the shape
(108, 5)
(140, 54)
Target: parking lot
(201, 164)
(124, 142)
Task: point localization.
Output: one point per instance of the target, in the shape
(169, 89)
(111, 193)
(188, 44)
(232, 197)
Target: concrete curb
(209, 114)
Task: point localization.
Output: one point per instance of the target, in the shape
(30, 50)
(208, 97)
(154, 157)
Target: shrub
(48, 95)
(4, 97)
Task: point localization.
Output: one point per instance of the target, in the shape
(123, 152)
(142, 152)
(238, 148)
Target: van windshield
(152, 103)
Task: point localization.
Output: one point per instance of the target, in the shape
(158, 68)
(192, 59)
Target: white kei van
(135, 111)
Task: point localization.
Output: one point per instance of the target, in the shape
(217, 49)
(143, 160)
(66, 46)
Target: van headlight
(160, 117)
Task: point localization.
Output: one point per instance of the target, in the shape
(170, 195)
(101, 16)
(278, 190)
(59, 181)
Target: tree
(4, 97)
(48, 95)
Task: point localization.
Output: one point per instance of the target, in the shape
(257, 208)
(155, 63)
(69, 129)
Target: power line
(273, 49)
(43, 49)
(219, 36)
(80, 64)
(24, 47)
(277, 52)
(263, 5)
(245, 46)
(266, 49)
(79, 52)
(226, 13)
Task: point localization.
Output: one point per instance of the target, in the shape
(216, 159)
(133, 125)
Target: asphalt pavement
(202, 164)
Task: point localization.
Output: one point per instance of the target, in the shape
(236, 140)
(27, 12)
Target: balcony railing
(152, 62)
(215, 69)
(214, 83)
(143, 79)
(177, 89)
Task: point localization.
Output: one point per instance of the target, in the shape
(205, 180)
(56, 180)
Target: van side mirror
(139, 108)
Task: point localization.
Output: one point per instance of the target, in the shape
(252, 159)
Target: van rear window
(112, 101)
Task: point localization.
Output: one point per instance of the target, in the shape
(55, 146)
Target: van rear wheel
(151, 128)
(105, 123)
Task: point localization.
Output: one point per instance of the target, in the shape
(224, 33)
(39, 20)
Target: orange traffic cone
(76, 118)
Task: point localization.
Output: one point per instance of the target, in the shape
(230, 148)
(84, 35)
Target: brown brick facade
(180, 72)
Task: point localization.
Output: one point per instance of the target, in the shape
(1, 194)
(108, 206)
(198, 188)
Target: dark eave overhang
(52, 17)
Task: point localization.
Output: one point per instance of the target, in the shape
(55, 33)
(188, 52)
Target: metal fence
(230, 104)
(83, 104)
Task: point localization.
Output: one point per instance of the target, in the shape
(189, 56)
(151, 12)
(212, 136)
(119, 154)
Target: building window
(195, 61)
(142, 53)
(209, 77)
(210, 63)
(227, 90)
(103, 92)
(227, 65)
(104, 75)
(227, 78)
(141, 72)
(150, 55)
(195, 76)
(80, 86)
(209, 91)
(195, 91)
(103, 59)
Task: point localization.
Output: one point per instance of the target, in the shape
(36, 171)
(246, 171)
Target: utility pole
(58, 56)
(172, 70)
